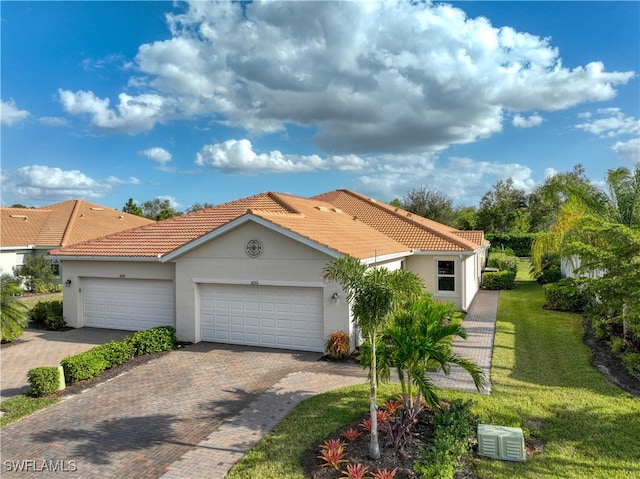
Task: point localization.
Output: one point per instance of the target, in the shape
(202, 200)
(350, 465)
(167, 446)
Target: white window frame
(438, 276)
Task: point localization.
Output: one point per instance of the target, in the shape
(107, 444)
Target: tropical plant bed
(608, 363)
(357, 452)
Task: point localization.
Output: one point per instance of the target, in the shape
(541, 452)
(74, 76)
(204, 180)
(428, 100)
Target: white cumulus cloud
(629, 151)
(524, 122)
(157, 154)
(238, 156)
(39, 182)
(612, 122)
(369, 77)
(52, 121)
(10, 114)
(461, 178)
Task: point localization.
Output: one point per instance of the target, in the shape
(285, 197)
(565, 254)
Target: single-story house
(30, 232)
(250, 271)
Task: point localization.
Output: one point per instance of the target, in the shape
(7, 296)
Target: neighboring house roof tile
(62, 224)
(410, 229)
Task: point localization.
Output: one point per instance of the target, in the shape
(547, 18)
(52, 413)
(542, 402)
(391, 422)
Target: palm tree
(12, 311)
(374, 294)
(618, 204)
(600, 228)
(418, 341)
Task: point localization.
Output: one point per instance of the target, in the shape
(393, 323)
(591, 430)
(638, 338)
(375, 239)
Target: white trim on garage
(128, 304)
(282, 317)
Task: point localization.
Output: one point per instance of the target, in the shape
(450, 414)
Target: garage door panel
(267, 316)
(128, 304)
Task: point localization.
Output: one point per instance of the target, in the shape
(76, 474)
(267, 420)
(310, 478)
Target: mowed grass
(542, 382)
(22, 405)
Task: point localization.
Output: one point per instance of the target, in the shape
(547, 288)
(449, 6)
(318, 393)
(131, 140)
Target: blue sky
(209, 102)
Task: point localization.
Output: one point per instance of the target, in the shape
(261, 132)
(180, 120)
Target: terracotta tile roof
(409, 229)
(62, 224)
(310, 218)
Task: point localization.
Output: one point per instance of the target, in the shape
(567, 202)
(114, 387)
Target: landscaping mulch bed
(605, 361)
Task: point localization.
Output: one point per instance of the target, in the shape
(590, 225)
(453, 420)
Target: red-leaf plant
(366, 424)
(384, 474)
(351, 434)
(355, 471)
(332, 453)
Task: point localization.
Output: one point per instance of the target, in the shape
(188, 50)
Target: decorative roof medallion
(254, 248)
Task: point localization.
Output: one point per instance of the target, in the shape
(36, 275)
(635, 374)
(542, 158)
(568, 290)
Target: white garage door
(266, 316)
(128, 304)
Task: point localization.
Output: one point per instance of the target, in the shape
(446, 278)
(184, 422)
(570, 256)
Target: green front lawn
(542, 382)
(22, 405)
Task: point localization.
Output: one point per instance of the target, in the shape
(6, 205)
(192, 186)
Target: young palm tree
(374, 294)
(419, 340)
(12, 311)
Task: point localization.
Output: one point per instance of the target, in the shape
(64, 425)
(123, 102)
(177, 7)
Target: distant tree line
(159, 209)
(504, 209)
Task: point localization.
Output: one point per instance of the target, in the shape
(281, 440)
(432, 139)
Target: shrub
(549, 276)
(35, 270)
(115, 352)
(84, 365)
(631, 361)
(566, 295)
(337, 346)
(154, 340)
(44, 380)
(454, 426)
(332, 453)
(499, 280)
(503, 262)
(519, 243)
(54, 323)
(48, 314)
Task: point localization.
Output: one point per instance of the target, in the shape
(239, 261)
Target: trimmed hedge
(154, 340)
(44, 380)
(566, 295)
(519, 243)
(84, 365)
(96, 360)
(499, 280)
(547, 276)
(503, 262)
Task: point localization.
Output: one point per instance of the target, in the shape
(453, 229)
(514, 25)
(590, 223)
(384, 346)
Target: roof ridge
(70, 222)
(277, 197)
(394, 211)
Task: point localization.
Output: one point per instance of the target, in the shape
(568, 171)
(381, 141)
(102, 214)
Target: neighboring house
(250, 271)
(569, 266)
(26, 232)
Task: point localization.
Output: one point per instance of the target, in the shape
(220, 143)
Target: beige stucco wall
(76, 271)
(283, 262)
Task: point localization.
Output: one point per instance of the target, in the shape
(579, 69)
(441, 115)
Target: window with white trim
(446, 275)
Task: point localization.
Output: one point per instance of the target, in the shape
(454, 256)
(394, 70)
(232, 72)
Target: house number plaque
(254, 248)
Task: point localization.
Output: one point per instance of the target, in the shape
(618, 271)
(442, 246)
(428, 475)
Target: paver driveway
(138, 424)
(39, 347)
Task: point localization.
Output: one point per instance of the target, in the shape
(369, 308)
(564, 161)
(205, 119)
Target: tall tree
(430, 204)
(503, 209)
(159, 209)
(546, 199)
(36, 271)
(132, 208)
(466, 218)
(373, 294)
(198, 206)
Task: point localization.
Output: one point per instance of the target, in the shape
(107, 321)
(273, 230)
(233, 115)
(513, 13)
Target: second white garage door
(128, 304)
(266, 316)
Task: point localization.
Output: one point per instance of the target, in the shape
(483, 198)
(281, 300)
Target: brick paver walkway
(480, 323)
(37, 347)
